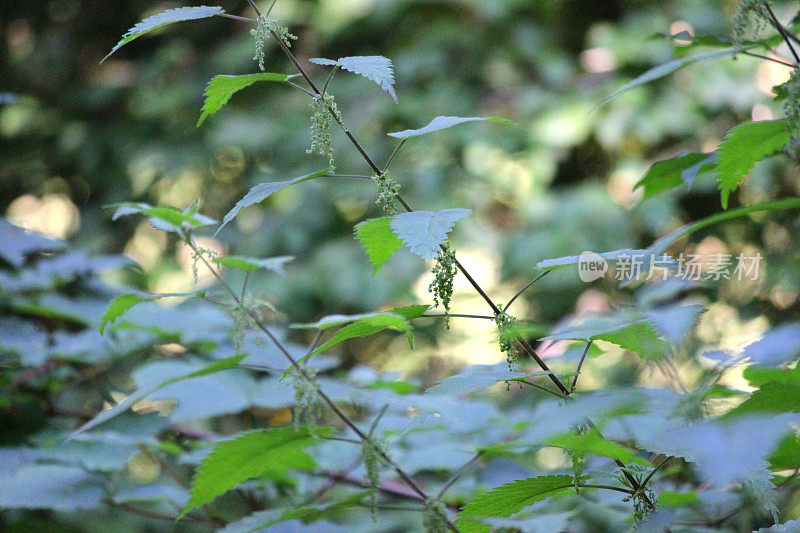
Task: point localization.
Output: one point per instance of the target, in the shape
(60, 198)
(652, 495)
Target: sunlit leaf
(744, 145)
(441, 123)
(425, 231)
(164, 18)
(513, 497)
(249, 264)
(221, 88)
(376, 68)
(365, 327)
(378, 239)
(671, 173)
(262, 191)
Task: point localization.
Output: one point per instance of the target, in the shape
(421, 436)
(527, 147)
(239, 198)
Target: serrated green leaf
(774, 397)
(119, 306)
(627, 254)
(266, 453)
(365, 327)
(167, 219)
(441, 123)
(249, 264)
(472, 381)
(221, 88)
(262, 191)
(378, 239)
(425, 231)
(108, 414)
(665, 175)
(164, 18)
(376, 68)
(745, 145)
(513, 497)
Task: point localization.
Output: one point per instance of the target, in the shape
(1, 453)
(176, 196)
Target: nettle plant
(365, 446)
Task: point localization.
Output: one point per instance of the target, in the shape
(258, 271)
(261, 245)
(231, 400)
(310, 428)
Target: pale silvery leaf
(425, 231)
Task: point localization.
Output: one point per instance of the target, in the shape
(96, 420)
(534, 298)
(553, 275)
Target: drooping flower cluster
(791, 106)
(507, 333)
(308, 405)
(749, 20)
(371, 453)
(433, 519)
(444, 270)
(321, 121)
(388, 189)
(262, 33)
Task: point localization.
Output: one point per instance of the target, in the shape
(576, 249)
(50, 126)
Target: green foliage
(745, 145)
(165, 18)
(506, 326)
(268, 453)
(433, 518)
(309, 407)
(221, 88)
(666, 175)
(378, 239)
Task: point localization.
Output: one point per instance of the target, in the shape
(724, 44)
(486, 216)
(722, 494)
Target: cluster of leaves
(724, 445)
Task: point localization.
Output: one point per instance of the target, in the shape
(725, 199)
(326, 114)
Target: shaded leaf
(665, 175)
(249, 264)
(19, 243)
(592, 442)
(626, 330)
(56, 487)
(471, 381)
(425, 231)
(164, 18)
(376, 68)
(108, 414)
(665, 70)
(441, 123)
(627, 254)
(744, 145)
(378, 239)
(118, 307)
(221, 88)
(262, 191)
(792, 526)
(267, 453)
(779, 346)
(307, 514)
(8, 98)
(167, 219)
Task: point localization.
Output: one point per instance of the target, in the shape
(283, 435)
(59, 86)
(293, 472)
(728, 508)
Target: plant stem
(525, 288)
(767, 58)
(481, 317)
(162, 516)
(236, 17)
(324, 397)
(457, 474)
(780, 28)
(391, 157)
(255, 7)
(330, 77)
(608, 487)
(539, 387)
(656, 469)
(580, 365)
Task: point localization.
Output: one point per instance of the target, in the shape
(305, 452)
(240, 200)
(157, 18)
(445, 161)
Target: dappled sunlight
(54, 214)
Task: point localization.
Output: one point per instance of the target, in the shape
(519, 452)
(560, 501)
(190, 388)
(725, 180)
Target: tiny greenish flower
(444, 270)
(434, 518)
(308, 405)
(197, 256)
(749, 20)
(388, 189)
(507, 333)
(262, 33)
(321, 122)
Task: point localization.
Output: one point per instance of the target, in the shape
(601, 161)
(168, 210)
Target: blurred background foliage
(85, 134)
